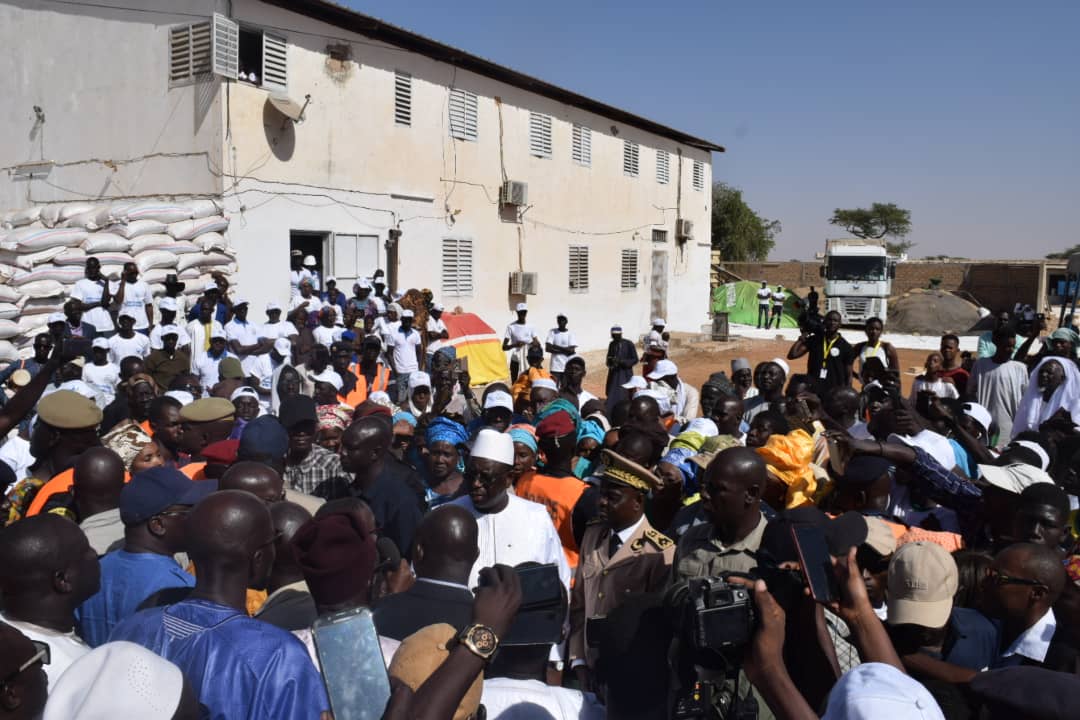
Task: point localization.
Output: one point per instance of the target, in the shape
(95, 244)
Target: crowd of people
(191, 497)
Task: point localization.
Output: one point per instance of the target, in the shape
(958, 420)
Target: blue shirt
(238, 666)
(126, 580)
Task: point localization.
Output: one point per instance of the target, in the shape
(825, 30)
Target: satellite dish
(289, 107)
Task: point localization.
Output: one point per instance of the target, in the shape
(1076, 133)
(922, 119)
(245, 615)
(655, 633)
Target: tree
(739, 233)
(879, 221)
(1064, 254)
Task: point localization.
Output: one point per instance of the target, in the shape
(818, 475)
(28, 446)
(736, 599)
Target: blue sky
(966, 113)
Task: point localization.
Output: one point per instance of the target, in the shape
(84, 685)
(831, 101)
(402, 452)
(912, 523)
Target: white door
(351, 258)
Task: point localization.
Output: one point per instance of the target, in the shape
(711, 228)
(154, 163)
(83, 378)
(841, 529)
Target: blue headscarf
(406, 416)
(520, 435)
(443, 429)
(591, 429)
(680, 458)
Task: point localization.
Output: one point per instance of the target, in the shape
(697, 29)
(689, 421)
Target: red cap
(223, 452)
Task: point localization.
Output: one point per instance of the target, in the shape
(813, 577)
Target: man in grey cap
(622, 357)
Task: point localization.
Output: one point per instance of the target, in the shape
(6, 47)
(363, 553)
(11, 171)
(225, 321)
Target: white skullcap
(521, 307)
(494, 445)
(783, 365)
(545, 383)
(328, 375)
(635, 383)
(419, 379)
(499, 399)
(117, 680)
(407, 314)
(309, 259)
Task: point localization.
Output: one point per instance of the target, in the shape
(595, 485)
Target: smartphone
(353, 668)
(922, 402)
(816, 563)
(539, 619)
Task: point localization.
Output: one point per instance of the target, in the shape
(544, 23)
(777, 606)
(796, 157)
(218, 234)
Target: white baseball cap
(240, 301)
(283, 347)
(57, 317)
(309, 260)
(937, 446)
(659, 321)
(127, 312)
(663, 369)
(167, 303)
(328, 375)
(100, 344)
(331, 279)
(662, 400)
(521, 307)
(494, 445)
(876, 690)
(273, 305)
(1044, 457)
(1013, 478)
(419, 379)
(635, 383)
(218, 333)
(499, 399)
(182, 396)
(979, 414)
(170, 330)
(438, 307)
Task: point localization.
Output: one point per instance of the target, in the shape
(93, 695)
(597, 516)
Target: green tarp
(739, 301)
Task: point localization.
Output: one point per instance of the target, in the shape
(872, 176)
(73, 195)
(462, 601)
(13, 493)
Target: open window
(222, 47)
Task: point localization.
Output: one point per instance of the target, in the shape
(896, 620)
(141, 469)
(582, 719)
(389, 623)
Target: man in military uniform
(621, 553)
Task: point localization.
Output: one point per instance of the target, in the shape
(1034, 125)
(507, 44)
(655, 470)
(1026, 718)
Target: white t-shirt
(64, 648)
(207, 368)
(120, 347)
(280, 329)
(403, 348)
(137, 296)
(763, 296)
(939, 387)
(245, 333)
(520, 333)
(564, 339)
(15, 452)
(778, 298)
(435, 326)
(182, 338)
(327, 335)
(314, 304)
(103, 378)
(90, 292)
(508, 699)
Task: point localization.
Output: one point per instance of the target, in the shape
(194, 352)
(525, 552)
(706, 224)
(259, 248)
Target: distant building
(485, 172)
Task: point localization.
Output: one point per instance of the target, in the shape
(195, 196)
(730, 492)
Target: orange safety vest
(559, 495)
(360, 390)
(60, 483)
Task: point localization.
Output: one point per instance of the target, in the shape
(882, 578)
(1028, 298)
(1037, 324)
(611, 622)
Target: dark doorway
(310, 243)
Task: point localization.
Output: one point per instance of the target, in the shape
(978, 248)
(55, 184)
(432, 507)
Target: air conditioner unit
(514, 193)
(522, 283)
(684, 228)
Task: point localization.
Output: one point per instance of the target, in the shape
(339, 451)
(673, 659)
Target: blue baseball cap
(153, 490)
(264, 435)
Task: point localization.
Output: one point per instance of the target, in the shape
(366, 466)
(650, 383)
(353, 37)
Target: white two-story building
(369, 146)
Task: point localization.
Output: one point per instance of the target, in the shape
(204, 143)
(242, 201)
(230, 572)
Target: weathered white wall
(101, 78)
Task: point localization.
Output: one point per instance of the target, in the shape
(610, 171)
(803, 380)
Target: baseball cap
(922, 581)
(58, 317)
(295, 410)
(521, 307)
(100, 343)
(876, 690)
(167, 303)
(153, 490)
(438, 307)
(407, 314)
(218, 333)
(295, 253)
(979, 414)
(170, 330)
(659, 321)
(937, 446)
(239, 301)
(273, 305)
(283, 347)
(364, 283)
(331, 279)
(309, 260)
(264, 435)
(663, 369)
(635, 383)
(1013, 478)
(419, 379)
(499, 399)
(328, 375)
(230, 369)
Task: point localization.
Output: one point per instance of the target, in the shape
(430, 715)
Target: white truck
(858, 279)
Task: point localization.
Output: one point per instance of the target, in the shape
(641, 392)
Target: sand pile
(931, 312)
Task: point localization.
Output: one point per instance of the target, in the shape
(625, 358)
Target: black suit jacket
(425, 603)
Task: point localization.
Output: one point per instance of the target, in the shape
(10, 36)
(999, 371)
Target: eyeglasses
(41, 653)
(486, 479)
(1001, 580)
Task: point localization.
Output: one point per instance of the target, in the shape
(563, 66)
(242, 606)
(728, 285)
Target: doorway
(313, 244)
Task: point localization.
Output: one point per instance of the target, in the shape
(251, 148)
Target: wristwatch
(480, 640)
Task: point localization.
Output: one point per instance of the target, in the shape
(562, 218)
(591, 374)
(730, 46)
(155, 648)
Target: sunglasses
(1001, 580)
(41, 653)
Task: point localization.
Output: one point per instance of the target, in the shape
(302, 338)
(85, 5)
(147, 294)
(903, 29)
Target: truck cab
(858, 279)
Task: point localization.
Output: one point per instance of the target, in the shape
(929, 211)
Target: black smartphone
(816, 563)
(540, 618)
(353, 668)
(922, 402)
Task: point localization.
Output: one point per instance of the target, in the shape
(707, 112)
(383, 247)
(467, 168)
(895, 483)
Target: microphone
(389, 555)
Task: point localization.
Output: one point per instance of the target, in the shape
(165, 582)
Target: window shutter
(189, 52)
(663, 170)
(628, 276)
(630, 156)
(540, 135)
(457, 269)
(659, 236)
(581, 145)
(275, 74)
(226, 47)
(579, 268)
(463, 120)
(402, 98)
(699, 175)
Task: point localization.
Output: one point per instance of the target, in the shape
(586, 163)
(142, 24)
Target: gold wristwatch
(480, 640)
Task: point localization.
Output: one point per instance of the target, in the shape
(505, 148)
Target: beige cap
(922, 581)
(879, 537)
(207, 410)
(422, 653)
(67, 410)
(1013, 478)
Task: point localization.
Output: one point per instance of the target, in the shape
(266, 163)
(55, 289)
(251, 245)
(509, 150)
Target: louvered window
(402, 98)
(190, 53)
(463, 121)
(630, 158)
(540, 135)
(579, 268)
(275, 51)
(457, 267)
(663, 169)
(628, 274)
(581, 145)
(659, 236)
(699, 175)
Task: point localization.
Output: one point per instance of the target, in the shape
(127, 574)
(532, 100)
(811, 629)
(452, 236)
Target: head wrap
(1033, 411)
(558, 418)
(402, 416)
(127, 439)
(333, 416)
(788, 458)
(679, 457)
(524, 434)
(443, 429)
(690, 440)
(591, 429)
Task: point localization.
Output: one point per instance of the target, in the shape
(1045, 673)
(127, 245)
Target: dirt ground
(697, 363)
